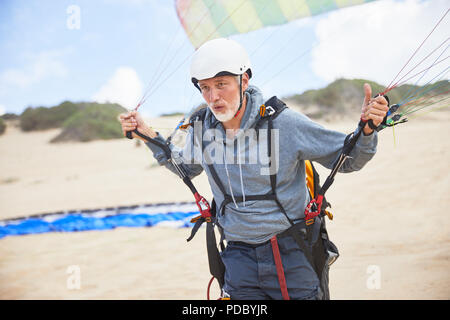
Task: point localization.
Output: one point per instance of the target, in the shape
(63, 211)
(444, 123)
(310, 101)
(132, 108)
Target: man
(221, 70)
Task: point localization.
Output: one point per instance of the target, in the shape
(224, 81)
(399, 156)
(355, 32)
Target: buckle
(262, 110)
(270, 110)
(313, 209)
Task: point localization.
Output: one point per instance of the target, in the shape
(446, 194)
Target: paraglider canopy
(204, 20)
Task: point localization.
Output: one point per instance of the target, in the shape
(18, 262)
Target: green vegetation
(91, 121)
(2, 126)
(79, 121)
(172, 114)
(42, 118)
(338, 96)
(345, 96)
(9, 116)
(94, 121)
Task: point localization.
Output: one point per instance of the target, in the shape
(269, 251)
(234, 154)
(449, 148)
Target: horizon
(174, 112)
(183, 112)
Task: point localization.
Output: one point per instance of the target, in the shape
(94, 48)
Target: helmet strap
(240, 97)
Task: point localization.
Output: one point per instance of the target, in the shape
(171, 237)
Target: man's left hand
(374, 109)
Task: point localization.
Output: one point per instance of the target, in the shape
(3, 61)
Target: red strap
(203, 205)
(310, 215)
(279, 266)
(209, 287)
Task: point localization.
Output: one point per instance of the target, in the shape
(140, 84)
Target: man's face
(222, 96)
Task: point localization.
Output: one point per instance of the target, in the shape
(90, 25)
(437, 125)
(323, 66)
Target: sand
(391, 222)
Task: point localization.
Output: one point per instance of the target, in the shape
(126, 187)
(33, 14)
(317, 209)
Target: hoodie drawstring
(229, 183)
(240, 171)
(240, 174)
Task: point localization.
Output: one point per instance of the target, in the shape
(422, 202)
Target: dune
(390, 222)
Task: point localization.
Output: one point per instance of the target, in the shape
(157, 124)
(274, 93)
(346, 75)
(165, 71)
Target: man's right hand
(133, 120)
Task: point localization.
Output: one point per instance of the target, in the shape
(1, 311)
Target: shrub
(94, 121)
(42, 118)
(2, 126)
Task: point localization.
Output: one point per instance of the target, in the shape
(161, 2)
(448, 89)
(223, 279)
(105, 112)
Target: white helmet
(219, 57)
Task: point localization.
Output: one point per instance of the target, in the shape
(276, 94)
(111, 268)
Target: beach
(390, 219)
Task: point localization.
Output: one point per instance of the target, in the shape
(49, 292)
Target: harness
(311, 238)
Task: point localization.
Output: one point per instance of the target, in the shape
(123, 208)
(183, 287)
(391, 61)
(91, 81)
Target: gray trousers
(250, 272)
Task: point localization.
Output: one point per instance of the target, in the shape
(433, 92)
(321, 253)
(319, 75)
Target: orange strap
(309, 178)
(279, 266)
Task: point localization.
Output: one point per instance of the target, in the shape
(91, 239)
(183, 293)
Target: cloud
(375, 40)
(124, 87)
(40, 66)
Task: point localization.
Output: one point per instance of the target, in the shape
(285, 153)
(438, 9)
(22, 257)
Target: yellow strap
(262, 110)
(310, 185)
(309, 178)
(185, 126)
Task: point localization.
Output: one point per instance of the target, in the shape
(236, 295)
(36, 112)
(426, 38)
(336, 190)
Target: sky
(113, 50)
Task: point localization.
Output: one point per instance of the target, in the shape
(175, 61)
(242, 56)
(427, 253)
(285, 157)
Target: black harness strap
(273, 177)
(216, 179)
(216, 266)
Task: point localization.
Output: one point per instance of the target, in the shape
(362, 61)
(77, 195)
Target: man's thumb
(367, 93)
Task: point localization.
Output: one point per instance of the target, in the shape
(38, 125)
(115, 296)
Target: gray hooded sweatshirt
(296, 137)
